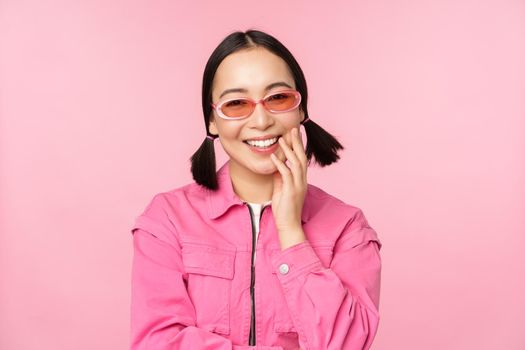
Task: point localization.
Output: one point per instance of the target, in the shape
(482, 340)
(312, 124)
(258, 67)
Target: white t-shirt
(256, 208)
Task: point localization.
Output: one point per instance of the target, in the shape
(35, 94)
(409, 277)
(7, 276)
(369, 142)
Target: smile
(262, 144)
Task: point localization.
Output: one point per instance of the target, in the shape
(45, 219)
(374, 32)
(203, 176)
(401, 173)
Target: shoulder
(323, 204)
(160, 216)
(168, 200)
(328, 212)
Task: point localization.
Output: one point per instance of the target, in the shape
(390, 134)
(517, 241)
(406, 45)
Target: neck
(249, 186)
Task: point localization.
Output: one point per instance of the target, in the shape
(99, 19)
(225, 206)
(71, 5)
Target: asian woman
(253, 256)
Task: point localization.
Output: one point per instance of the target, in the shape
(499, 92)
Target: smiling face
(253, 69)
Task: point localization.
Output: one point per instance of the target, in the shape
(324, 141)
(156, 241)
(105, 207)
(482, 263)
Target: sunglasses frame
(217, 107)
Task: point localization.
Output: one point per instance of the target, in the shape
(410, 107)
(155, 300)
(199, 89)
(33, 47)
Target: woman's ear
(213, 127)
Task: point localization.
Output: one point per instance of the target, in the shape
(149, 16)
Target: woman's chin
(265, 167)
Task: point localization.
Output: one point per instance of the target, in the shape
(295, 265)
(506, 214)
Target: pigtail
(203, 165)
(320, 144)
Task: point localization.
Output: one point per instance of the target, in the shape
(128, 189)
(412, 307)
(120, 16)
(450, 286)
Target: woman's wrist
(290, 237)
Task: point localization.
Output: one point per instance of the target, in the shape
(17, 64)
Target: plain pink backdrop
(101, 108)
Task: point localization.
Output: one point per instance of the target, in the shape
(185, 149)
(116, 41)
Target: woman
(252, 256)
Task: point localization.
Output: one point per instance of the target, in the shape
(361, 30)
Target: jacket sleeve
(162, 314)
(335, 307)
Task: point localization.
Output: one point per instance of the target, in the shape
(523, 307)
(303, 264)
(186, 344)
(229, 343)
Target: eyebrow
(269, 87)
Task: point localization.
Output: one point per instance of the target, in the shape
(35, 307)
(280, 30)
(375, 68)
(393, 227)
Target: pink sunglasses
(242, 107)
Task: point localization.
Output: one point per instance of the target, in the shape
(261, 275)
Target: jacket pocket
(210, 272)
(283, 322)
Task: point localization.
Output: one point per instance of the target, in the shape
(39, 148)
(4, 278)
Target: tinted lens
(237, 108)
(281, 101)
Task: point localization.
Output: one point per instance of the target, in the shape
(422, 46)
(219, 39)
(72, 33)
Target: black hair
(320, 144)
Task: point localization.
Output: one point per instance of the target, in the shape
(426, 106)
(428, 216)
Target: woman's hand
(289, 190)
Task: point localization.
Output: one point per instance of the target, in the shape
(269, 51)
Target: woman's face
(253, 69)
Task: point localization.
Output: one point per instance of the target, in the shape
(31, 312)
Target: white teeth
(265, 143)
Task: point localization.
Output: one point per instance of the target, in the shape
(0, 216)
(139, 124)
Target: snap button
(283, 269)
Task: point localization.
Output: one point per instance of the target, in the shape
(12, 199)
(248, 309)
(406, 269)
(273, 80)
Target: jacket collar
(224, 197)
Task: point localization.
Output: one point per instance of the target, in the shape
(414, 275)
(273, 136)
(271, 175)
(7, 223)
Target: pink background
(100, 109)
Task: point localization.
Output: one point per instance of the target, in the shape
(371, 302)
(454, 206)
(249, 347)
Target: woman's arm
(335, 307)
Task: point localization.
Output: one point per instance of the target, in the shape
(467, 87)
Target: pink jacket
(192, 274)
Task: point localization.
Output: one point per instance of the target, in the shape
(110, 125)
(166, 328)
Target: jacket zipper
(252, 282)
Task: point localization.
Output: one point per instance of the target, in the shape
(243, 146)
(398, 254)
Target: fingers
(296, 157)
(297, 143)
(283, 169)
(288, 152)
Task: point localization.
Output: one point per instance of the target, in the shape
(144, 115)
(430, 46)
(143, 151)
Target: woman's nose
(261, 116)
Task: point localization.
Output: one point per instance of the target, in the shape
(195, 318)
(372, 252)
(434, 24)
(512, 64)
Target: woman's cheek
(280, 154)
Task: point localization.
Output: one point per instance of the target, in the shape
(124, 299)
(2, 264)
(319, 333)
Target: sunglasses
(242, 107)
